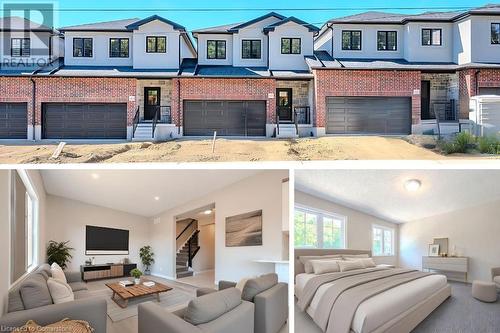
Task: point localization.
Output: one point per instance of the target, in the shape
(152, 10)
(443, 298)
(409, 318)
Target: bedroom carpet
(461, 313)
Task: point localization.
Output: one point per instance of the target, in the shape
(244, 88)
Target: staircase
(286, 131)
(143, 132)
(187, 248)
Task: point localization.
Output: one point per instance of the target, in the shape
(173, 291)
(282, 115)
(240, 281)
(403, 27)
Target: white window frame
(321, 214)
(384, 228)
(32, 241)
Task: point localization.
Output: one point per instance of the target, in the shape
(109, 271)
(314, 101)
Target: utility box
(484, 115)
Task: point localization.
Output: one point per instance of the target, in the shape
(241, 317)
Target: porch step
(143, 132)
(184, 274)
(286, 131)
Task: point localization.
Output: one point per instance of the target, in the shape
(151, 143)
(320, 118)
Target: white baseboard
(163, 276)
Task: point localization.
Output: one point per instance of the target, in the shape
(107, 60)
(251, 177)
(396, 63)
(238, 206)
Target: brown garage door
(368, 115)
(84, 121)
(237, 118)
(489, 91)
(13, 120)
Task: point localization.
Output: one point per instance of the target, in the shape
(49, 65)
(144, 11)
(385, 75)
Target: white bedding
(381, 308)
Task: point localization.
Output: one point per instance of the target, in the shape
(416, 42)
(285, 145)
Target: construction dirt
(228, 150)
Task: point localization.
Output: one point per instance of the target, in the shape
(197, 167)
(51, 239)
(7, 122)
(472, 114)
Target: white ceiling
(134, 191)
(381, 193)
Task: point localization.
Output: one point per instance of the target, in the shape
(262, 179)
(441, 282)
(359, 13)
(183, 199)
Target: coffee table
(135, 291)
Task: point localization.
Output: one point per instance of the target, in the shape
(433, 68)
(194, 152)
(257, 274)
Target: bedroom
(432, 236)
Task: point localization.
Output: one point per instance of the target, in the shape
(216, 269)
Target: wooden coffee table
(135, 291)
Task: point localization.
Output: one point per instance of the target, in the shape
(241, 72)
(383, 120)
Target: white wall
(202, 49)
(415, 51)
(67, 220)
(4, 238)
(253, 34)
(462, 42)
(483, 50)
(474, 231)
(262, 191)
(100, 49)
(324, 41)
(38, 41)
(359, 225)
(368, 42)
(205, 258)
(278, 61)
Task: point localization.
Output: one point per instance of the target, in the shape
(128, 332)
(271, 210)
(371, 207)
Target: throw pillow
(60, 291)
(350, 265)
(325, 266)
(57, 272)
(307, 264)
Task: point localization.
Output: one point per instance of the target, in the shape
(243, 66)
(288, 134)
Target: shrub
(488, 145)
(463, 142)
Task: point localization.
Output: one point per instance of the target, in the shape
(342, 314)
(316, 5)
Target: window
(250, 49)
(290, 45)
(155, 44)
(431, 37)
(216, 49)
(315, 229)
(20, 47)
(118, 47)
(23, 226)
(383, 241)
(351, 40)
(82, 47)
(387, 40)
(495, 33)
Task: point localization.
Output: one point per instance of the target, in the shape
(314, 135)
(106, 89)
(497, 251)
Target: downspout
(179, 106)
(33, 104)
(476, 87)
(330, 26)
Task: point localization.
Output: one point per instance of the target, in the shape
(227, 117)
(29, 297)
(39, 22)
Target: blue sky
(193, 20)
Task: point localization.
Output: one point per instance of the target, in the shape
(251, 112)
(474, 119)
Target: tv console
(105, 271)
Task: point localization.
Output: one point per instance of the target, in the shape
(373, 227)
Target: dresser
(447, 264)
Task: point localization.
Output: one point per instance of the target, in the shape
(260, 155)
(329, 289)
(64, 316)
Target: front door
(425, 100)
(151, 102)
(284, 103)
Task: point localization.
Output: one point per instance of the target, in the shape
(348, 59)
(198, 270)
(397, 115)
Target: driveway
(227, 150)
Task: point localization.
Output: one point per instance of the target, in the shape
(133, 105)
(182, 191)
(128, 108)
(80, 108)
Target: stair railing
(192, 249)
(135, 122)
(277, 124)
(155, 121)
(186, 233)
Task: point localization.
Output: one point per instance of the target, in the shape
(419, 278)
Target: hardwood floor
(130, 325)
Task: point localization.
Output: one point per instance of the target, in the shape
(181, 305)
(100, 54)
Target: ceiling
(134, 191)
(381, 193)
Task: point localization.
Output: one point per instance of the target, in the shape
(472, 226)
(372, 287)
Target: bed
(368, 300)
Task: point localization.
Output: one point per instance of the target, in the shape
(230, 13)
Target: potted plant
(147, 258)
(136, 274)
(59, 252)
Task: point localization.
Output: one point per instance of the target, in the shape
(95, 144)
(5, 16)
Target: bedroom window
(118, 47)
(216, 49)
(432, 37)
(495, 33)
(387, 40)
(290, 45)
(316, 229)
(20, 47)
(351, 40)
(24, 205)
(156, 44)
(250, 49)
(383, 241)
(82, 47)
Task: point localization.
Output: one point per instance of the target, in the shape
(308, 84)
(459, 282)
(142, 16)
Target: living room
(102, 233)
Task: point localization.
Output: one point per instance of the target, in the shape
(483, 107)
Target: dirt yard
(227, 150)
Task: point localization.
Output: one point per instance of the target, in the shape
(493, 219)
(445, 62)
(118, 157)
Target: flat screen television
(101, 240)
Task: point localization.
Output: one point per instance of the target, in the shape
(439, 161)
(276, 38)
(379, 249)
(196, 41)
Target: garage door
(13, 120)
(84, 121)
(489, 91)
(368, 115)
(242, 118)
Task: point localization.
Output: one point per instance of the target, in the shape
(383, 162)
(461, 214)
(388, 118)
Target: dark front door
(151, 102)
(284, 103)
(425, 99)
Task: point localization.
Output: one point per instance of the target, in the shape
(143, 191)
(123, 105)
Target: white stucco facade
(40, 52)
(278, 61)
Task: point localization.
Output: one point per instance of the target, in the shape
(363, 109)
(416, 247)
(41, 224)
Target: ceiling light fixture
(413, 185)
(207, 212)
(95, 175)
(157, 198)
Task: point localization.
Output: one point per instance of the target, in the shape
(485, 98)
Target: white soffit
(141, 192)
(381, 193)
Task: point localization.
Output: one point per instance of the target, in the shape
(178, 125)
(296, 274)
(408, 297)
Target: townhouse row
(135, 79)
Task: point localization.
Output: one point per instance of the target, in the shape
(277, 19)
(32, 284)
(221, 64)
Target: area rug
(170, 301)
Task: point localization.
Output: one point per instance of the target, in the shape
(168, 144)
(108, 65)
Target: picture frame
(433, 250)
(244, 229)
(443, 245)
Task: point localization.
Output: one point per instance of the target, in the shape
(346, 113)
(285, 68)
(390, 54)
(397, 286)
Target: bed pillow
(59, 291)
(308, 266)
(57, 272)
(325, 266)
(367, 262)
(349, 265)
(355, 256)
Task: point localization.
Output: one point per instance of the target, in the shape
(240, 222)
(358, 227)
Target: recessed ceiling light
(157, 198)
(207, 212)
(95, 175)
(413, 185)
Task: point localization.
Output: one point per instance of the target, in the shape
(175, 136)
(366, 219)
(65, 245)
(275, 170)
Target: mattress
(381, 308)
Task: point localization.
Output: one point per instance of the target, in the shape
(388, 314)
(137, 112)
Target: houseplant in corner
(59, 252)
(136, 274)
(147, 258)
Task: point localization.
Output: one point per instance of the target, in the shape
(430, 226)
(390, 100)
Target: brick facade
(470, 82)
(375, 83)
(223, 89)
(85, 90)
(17, 90)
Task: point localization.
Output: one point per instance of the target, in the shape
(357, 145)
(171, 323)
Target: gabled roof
(217, 29)
(311, 27)
(136, 25)
(118, 25)
(255, 20)
(370, 17)
(16, 23)
(493, 9)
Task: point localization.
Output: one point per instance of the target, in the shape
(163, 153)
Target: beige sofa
(495, 276)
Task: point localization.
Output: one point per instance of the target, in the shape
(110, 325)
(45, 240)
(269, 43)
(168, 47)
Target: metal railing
(135, 122)
(189, 236)
(156, 117)
(443, 110)
(302, 115)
